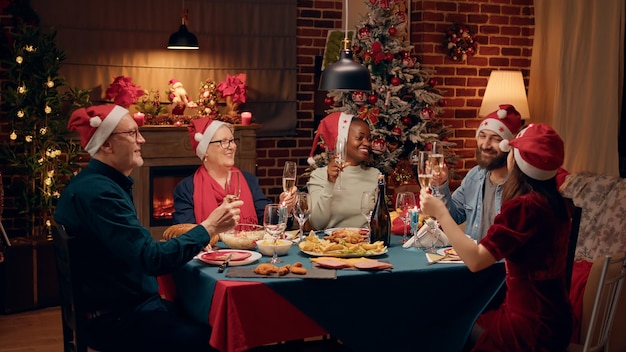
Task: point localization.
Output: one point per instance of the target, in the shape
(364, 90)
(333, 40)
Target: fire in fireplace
(163, 179)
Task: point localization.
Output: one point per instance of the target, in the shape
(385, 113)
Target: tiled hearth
(168, 150)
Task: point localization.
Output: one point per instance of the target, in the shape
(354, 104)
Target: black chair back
(73, 313)
(575, 213)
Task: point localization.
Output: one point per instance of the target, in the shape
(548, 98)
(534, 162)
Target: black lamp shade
(183, 39)
(346, 74)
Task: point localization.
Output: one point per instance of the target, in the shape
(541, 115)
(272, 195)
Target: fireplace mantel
(170, 146)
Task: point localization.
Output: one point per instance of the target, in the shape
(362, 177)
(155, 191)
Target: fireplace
(163, 179)
(168, 158)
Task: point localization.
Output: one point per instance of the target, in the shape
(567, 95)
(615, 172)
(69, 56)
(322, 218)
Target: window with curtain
(103, 40)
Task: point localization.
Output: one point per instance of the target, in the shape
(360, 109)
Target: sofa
(602, 231)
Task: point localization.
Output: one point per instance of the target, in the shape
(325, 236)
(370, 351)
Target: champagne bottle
(380, 225)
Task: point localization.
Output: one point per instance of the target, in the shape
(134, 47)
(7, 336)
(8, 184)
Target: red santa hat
(201, 132)
(333, 127)
(506, 122)
(95, 124)
(538, 151)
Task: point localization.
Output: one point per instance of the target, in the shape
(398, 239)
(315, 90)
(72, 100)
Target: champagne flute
(275, 223)
(424, 171)
(233, 185)
(302, 211)
(368, 201)
(340, 160)
(289, 176)
(436, 162)
(405, 201)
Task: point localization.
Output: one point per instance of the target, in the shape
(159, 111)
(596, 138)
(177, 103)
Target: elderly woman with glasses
(197, 195)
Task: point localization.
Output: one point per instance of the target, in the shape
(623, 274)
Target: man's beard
(496, 163)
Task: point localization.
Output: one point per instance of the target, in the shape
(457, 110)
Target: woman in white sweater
(330, 207)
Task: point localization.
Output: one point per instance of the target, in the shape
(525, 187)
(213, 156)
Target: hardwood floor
(33, 331)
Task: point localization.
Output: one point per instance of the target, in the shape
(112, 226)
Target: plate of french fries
(319, 247)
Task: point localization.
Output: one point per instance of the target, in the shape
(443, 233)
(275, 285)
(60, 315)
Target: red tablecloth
(240, 306)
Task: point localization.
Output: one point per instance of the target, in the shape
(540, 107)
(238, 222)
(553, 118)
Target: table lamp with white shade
(505, 87)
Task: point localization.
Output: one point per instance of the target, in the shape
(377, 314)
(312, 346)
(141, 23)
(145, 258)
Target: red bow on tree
(370, 114)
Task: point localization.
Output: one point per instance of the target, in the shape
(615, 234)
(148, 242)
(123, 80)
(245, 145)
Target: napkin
(425, 237)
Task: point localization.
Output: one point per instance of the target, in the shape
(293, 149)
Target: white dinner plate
(254, 256)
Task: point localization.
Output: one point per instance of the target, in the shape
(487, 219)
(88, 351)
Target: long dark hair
(518, 184)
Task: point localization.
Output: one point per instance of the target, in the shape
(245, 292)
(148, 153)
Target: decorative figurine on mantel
(179, 98)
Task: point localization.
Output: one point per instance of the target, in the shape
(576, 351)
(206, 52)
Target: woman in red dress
(531, 233)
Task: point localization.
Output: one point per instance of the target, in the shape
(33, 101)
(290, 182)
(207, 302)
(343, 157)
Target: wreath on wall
(460, 42)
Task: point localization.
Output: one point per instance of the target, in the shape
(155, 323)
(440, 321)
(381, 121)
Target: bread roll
(177, 230)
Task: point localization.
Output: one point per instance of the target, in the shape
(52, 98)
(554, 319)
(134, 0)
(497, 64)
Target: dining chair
(576, 213)
(73, 313)
(604, 288)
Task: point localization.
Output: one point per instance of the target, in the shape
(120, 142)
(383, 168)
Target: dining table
(412, 306)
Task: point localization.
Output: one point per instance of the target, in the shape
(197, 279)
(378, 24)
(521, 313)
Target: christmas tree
(402, 107)
(39, 149)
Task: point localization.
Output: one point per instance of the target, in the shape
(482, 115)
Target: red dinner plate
(216, 256)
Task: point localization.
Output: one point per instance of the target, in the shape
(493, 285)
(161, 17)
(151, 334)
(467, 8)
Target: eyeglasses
(131, 133)
(225, 143)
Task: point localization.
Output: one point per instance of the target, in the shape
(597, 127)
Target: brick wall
(504, 28)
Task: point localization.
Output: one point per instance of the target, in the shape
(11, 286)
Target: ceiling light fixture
(346, 74)
(183, 39)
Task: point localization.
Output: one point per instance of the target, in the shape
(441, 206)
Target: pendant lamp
(183, 39)
(346, 74)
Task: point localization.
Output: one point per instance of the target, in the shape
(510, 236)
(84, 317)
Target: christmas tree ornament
(364, 33)
(432, 82)
(396, 130)
(396, 81)
(407, 121)
(393, 31)
(379, 146)
(407, 60)
(359, 97)
(388, 57)
(329, 101)
(373, 98)
(427, 114)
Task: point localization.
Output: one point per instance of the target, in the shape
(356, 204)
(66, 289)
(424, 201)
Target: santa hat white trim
(104, 130)
(530, 170)
(206, 137)
(497, 126)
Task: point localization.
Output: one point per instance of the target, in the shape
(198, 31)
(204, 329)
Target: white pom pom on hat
(502, 114)
(504, 145)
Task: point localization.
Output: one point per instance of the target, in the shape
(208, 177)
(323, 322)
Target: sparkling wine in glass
(233, 185)
(289, 175)
(424, 171)
(405, 201)
(302, 210)
(368, 201)
(436, 161)
(275, 223)
(340, 160)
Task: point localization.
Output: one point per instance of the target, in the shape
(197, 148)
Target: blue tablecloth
(415, 306)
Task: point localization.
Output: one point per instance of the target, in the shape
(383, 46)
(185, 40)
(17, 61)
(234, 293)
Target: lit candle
(139, 117)
(246, 118)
